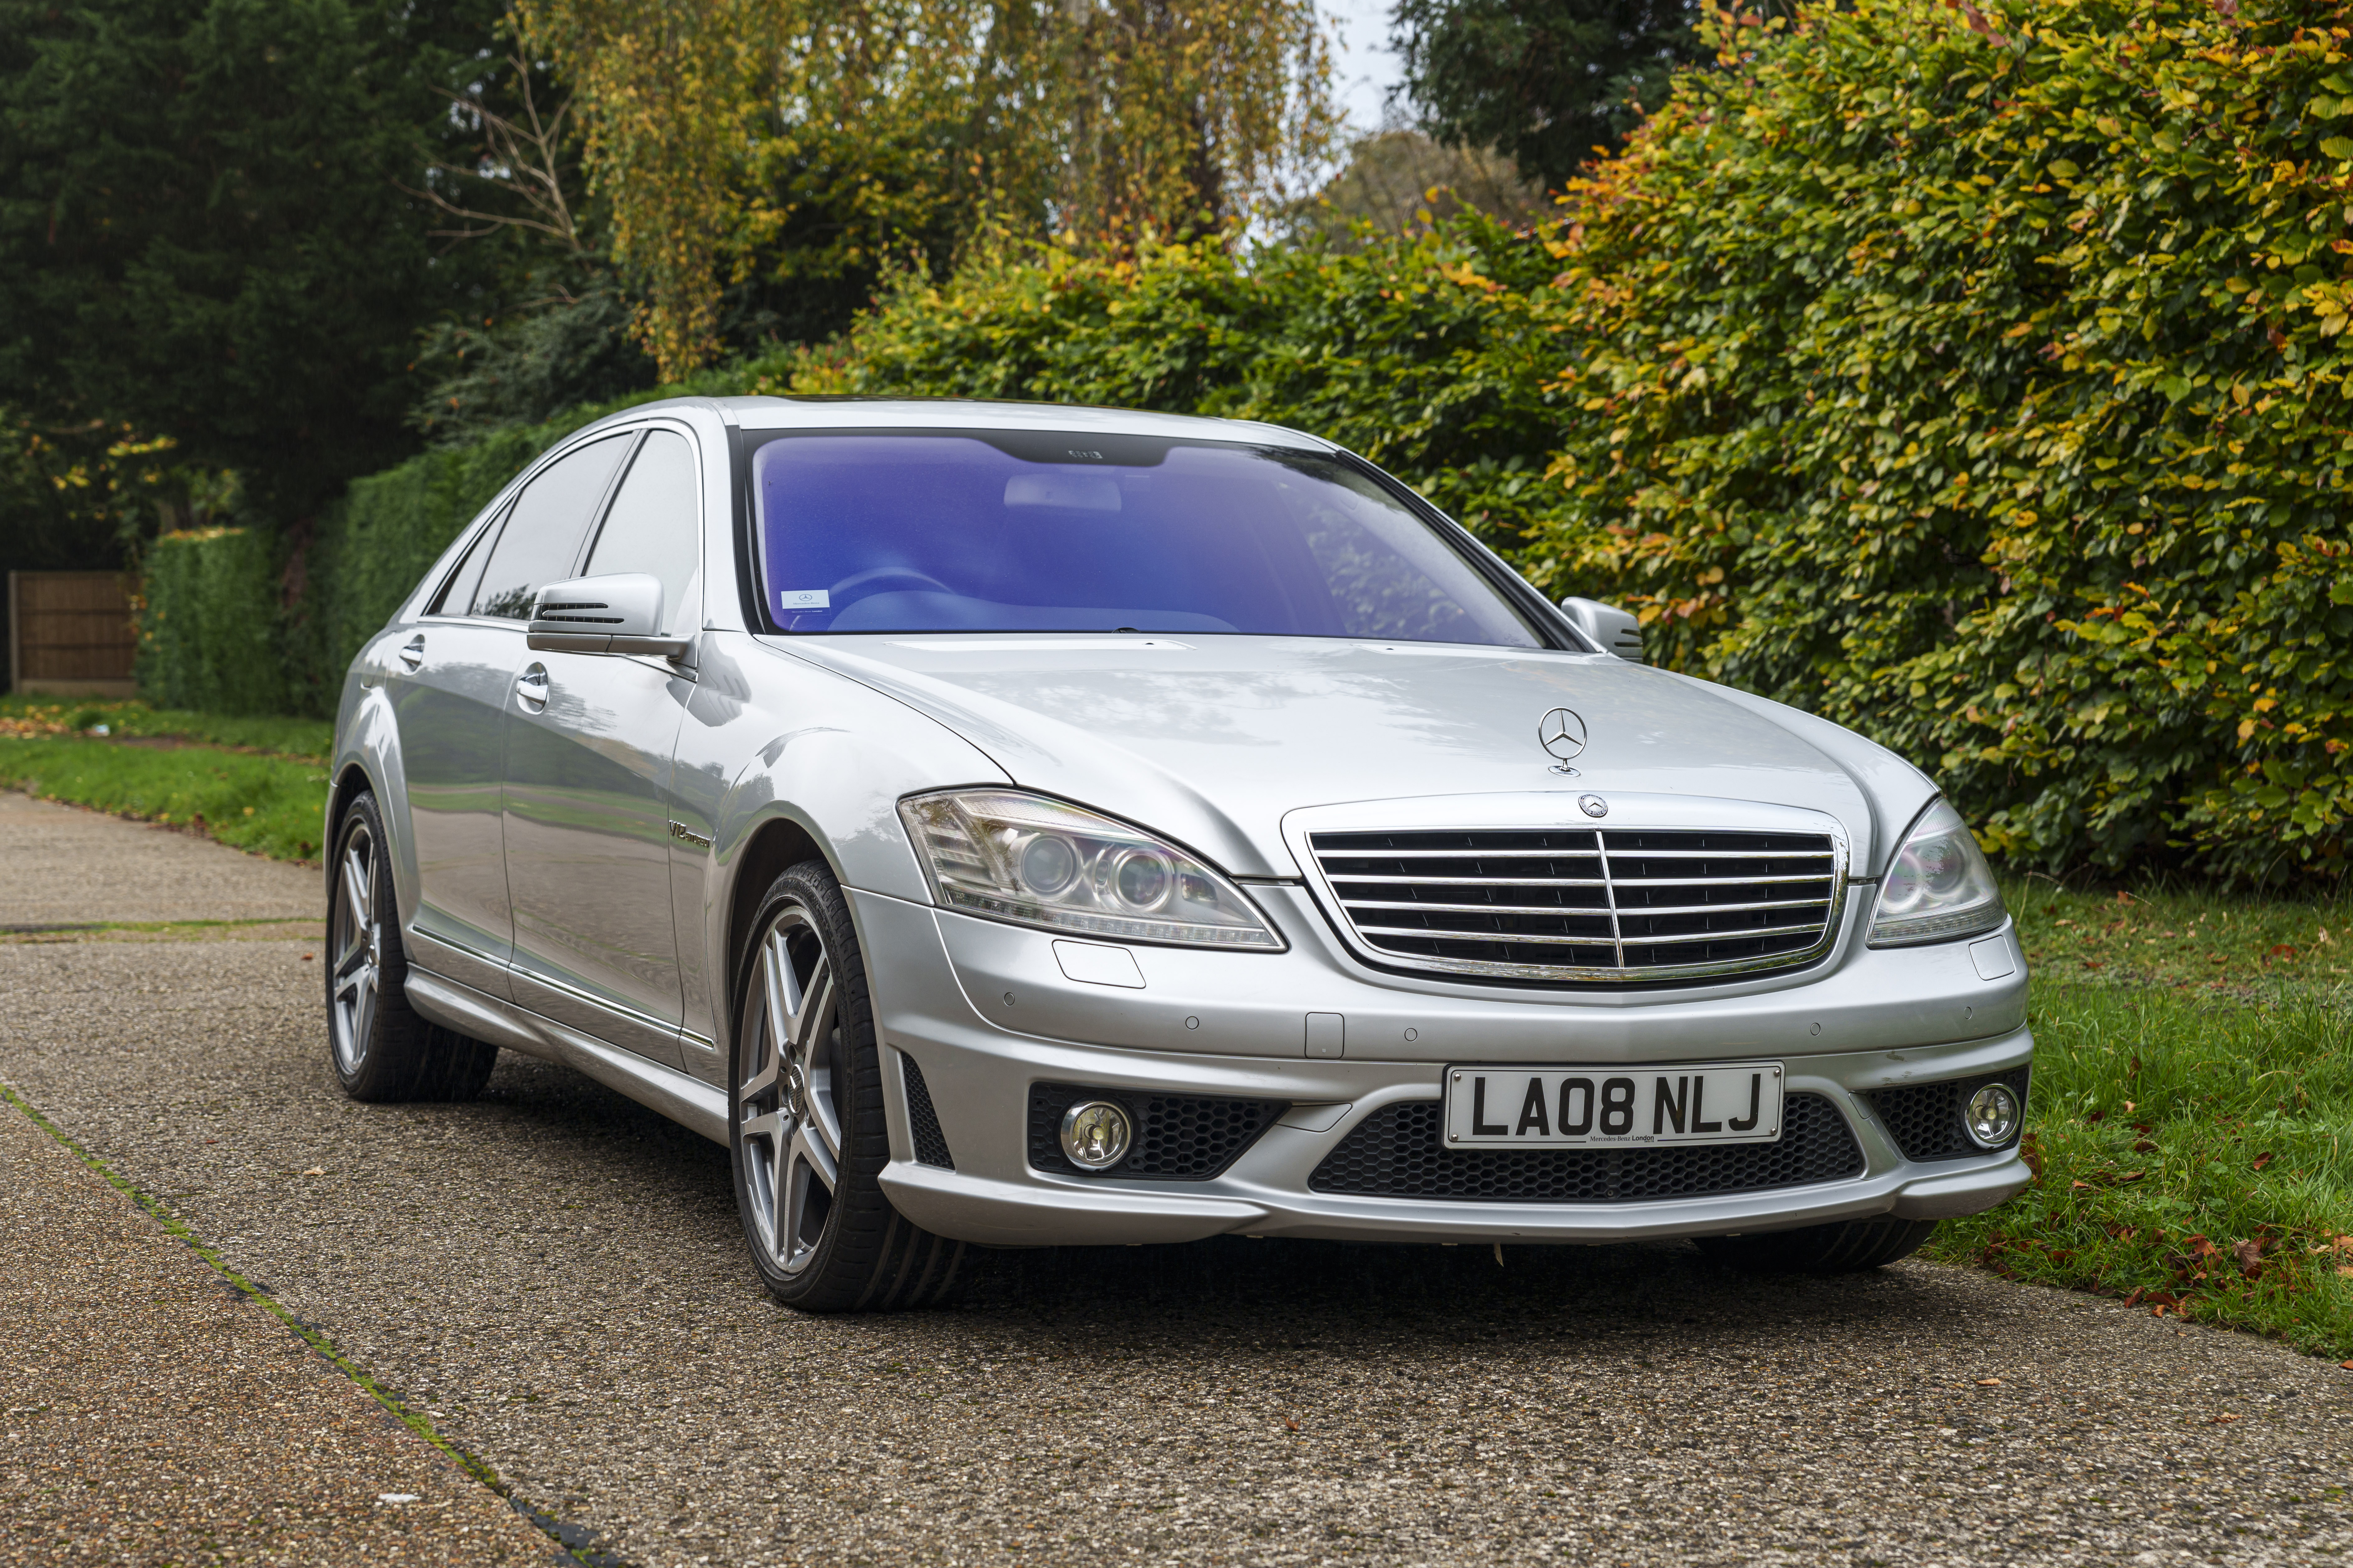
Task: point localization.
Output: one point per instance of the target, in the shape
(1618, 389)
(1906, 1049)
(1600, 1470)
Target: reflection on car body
(1013, 825)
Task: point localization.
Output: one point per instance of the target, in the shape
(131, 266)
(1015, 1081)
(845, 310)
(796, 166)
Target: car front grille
(1178, 1137)
(1614, 905)
(1398, 1153)
(1924, 1119)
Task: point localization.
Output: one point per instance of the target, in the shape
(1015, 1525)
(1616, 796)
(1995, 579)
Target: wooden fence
(69, 635)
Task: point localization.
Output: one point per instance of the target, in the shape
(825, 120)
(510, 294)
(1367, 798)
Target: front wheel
(807, 1125)
(1845, 1248)
(381, 1048)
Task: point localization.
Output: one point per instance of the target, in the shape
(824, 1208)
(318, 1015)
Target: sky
(1366, 69)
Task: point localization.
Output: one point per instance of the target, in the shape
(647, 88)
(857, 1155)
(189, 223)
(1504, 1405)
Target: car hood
(1211, 741)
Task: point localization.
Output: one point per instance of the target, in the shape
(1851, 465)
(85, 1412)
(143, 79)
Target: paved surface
(65, 867)
(556, 1276)
(155, 1415)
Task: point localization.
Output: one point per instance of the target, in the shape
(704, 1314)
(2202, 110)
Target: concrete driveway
(553, 1278)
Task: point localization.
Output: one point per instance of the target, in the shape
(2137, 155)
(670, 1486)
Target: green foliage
(1546, 81)
(1976, 380)
(211, 634)
(529, 367)
(271, 806)
(202, 230)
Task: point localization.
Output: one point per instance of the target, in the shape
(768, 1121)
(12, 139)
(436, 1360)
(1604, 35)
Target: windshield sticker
(791, 599)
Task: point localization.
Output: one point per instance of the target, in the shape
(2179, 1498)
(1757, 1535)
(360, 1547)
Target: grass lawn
(2191, 1115)
(267, 802)
(38, 717)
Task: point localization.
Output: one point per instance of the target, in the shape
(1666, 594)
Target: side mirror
(1610, 628)
(619, 614)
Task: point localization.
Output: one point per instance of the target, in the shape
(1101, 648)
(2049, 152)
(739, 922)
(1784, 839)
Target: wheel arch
(778, 842)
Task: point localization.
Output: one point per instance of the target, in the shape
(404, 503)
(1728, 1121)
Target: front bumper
(985, 1010)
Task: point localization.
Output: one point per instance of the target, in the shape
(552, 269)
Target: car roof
(972, 414)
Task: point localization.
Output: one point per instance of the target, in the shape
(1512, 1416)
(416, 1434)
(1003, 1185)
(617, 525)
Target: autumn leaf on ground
(2250, 1256)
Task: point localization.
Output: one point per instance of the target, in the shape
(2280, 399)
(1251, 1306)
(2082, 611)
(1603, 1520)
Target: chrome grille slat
(1631, 906)
(1352, 878)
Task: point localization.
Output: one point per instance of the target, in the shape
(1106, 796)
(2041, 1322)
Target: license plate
(1576, 1108)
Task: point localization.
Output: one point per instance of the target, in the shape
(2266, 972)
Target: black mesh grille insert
(1924, 1119)
(1178, 1137)
(923, 1121)
(1396, 1152)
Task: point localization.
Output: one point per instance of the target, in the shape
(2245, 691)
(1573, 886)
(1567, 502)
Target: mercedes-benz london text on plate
(1004, 826)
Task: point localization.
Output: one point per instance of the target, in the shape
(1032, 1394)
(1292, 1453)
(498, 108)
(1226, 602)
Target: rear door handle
(530, 689)
(413, 654)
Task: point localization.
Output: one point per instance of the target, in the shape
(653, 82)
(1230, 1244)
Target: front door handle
(413, 654)
(530, 689)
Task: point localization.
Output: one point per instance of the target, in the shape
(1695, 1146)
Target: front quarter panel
(769, 737)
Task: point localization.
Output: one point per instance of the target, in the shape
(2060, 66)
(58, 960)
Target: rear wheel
(808, 1127)
(381, 1048)
(1845, 1248)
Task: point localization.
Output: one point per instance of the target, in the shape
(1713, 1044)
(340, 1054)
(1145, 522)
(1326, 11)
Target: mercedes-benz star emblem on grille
(1562, 733)
(1592, 805)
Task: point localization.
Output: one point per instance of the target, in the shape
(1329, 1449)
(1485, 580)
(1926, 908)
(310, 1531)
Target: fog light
(1096, 1134)
(1992, 1115)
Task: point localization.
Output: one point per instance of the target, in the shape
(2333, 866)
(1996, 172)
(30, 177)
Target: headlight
(1940, 885)
(1038, 862)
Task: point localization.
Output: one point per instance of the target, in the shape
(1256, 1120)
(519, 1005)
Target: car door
(452, 706)
(589, 744)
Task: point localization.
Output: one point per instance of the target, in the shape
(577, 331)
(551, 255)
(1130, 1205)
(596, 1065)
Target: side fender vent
(923, 1121)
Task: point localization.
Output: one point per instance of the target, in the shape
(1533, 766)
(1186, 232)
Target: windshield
(1068, 533)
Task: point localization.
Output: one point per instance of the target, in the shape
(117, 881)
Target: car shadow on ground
(1292, 1289)
(1278, 1291)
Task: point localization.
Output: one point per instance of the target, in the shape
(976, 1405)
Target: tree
(813, 144)
(200, 235)
(1545, 81)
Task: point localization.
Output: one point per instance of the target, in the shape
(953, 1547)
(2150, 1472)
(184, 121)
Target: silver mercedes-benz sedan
(1013, 825)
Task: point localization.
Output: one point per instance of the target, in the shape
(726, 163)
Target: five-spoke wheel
(808, 1128)
(355, 938)
(381, 1048)
(789, 1107)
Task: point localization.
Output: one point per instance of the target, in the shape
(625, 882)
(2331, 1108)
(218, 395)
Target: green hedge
(374, 545)
(211, 628)
(1976, 378)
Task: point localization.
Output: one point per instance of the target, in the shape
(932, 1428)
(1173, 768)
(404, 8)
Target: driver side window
(542, 533)
(655, 526)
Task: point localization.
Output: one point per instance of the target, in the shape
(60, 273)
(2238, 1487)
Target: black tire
(385, 1049)
(820, 1075)
(1845, 1248)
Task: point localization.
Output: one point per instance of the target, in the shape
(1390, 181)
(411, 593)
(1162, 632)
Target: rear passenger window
(542, 535)
(655, 526)
(458, 593)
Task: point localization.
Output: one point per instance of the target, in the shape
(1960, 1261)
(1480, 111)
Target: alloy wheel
(356, 939)
(788, 1106)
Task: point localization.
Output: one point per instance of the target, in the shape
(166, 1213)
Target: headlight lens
(1940, 885)
(1038, 862)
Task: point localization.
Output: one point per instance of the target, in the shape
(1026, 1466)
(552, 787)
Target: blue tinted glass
(926, 533)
